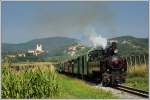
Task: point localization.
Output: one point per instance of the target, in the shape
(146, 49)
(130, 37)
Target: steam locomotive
(102, 65)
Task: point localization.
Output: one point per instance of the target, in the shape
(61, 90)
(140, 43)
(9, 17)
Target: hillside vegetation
(128, 45)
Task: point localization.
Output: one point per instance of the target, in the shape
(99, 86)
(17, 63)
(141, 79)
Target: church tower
(39, 47)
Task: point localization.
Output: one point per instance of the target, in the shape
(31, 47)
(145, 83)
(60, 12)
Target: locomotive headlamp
(107, 70)
(116, 51)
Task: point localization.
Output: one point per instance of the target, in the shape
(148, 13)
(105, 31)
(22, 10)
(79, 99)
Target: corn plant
(29, 83)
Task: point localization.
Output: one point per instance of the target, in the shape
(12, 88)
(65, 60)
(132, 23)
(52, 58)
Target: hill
(128, 45)
(55, 46)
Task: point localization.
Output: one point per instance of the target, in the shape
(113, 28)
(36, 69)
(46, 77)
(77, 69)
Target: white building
(72, 49)
(37, 51)
(39, 47)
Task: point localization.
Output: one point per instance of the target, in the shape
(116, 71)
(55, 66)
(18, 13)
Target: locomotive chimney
(114, 45)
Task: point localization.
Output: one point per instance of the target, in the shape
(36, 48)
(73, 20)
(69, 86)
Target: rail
(131, 90)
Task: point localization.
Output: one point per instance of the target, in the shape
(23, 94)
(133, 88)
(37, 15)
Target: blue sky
(24, 21)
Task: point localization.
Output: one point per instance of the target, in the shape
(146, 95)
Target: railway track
(132, 91)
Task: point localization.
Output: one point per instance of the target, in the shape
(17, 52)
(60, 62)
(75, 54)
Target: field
(137, 77)
(30, 83)
(44, 82)
(39, 80)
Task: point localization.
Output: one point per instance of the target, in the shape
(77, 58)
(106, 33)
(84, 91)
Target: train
(104, 66)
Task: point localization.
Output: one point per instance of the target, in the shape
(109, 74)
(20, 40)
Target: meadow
(44, 82)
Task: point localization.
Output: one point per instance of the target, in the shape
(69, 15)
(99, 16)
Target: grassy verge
(75, 88)
(137, 77)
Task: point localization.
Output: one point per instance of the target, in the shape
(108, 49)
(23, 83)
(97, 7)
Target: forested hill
(128, 45)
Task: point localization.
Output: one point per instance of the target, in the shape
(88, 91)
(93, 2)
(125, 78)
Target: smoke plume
(96, 40)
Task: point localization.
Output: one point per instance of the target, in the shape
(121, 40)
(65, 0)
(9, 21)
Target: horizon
(29, 20)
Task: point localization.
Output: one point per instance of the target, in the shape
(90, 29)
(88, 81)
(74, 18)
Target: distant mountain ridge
(56, 45)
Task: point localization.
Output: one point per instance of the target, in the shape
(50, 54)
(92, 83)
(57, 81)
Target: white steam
(96, 40)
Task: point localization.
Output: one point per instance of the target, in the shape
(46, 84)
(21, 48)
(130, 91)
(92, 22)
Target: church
(38, 50)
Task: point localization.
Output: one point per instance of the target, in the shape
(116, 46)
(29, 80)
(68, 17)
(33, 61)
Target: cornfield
(29, 83)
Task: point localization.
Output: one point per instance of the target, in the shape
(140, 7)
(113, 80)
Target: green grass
(75, 88)
(44, 82)
(138, 82)
(138, 77)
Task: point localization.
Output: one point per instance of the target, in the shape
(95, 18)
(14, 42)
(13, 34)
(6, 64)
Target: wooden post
(127, 61)
(131, 60)
(144, 60)
(135, 61)
(139, 60)
(147, 60)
